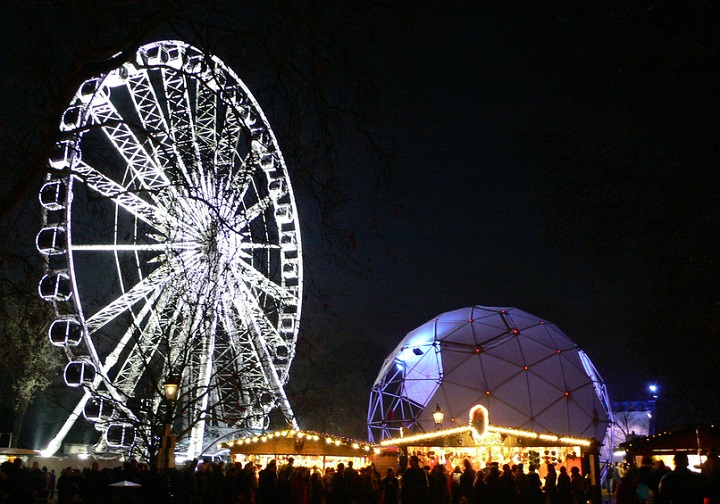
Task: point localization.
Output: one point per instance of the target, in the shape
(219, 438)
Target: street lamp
(166, 459)
(438, 416)
(171, 388)
(653, 408)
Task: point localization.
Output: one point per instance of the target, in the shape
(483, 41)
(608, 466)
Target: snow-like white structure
(524, 370)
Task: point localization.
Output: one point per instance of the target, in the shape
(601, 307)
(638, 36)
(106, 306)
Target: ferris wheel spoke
(240, 304)
(161, 142)
(181, 122)
(255, 211)
(124, 197)
(240, 326)
(147, 104)
(144, 313)
(246, 275)
(155, 280)
(237, 183)
(227, 142)
(270, 374)
(147, 174)
(259, 246)
(132, 247)
(205, 113)
(254, 317)
(143, 350)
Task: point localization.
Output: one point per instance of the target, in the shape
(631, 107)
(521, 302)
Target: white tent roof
(524, 370)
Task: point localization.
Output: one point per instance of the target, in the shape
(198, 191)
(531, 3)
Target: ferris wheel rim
(76, 170)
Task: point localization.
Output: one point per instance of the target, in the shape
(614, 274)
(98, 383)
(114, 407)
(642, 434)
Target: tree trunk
(18, 421)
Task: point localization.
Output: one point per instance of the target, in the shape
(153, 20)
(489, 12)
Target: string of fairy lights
(572, 441)
(367, 447)
(299, 435)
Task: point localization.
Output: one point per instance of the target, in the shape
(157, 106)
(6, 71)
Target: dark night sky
(487, 99)
(475, 222)
(494, 98)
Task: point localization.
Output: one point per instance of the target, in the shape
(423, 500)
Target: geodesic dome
(524, 370)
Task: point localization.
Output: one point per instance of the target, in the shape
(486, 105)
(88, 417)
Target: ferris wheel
(172, 247)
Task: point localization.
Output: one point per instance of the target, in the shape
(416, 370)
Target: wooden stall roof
(18, 452)
(299, 442)
(693, 439)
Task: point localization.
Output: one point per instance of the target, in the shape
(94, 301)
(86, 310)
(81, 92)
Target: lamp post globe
(438, 416)
(171, 388)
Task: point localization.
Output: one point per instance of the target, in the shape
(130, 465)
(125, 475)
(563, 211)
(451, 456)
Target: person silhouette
(681, 486)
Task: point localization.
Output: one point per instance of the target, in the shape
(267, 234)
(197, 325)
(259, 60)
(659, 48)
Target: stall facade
(307, 448)
(695, 441)
(484, 444)
(10, 454)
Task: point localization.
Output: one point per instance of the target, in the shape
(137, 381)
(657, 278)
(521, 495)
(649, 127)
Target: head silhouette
(681, 460)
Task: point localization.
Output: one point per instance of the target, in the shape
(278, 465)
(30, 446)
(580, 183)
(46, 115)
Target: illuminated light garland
(491, 428)
(298, 435)
(426, 435)
(575, 441)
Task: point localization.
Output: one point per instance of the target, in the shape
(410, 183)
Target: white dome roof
(525, 371)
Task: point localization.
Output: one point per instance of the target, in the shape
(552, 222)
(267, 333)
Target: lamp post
(166, 454)
(653, 408)
(438, 416)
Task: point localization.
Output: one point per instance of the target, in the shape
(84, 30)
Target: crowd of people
(219, 483)
(234, 483)
(654, 483)
(20, 484)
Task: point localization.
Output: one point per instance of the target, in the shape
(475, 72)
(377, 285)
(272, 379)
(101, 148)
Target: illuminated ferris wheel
(172, 246)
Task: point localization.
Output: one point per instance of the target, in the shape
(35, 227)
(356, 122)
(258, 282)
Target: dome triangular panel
(515, 391)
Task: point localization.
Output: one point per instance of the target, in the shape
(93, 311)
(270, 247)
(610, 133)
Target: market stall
(695, 441)
(484, 444)
(10, 454)
(307, 448)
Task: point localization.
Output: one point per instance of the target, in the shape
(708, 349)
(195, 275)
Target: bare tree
(27, 361)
